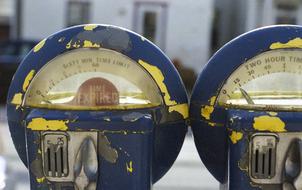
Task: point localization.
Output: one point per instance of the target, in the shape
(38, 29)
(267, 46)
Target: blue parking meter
(97, 107)
(246, 111)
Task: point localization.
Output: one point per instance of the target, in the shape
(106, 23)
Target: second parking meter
(246, 111)
(97, 107)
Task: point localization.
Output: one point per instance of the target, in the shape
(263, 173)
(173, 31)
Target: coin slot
(56, 162)
(55, 156)
(263, 163)
(62, 158)
(270, 161)
(263, 157)
(256, 160)
(48, 164)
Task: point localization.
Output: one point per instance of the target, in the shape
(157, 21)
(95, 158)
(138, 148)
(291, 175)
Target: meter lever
(292, 168)
(246, 96)
(47, 101)
(298, 179)
(86, 166)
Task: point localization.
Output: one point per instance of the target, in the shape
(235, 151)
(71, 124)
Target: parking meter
(96, 107)
(246, 111)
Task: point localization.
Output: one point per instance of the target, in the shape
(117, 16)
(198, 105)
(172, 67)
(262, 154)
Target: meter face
(86, 79)
(271, 80)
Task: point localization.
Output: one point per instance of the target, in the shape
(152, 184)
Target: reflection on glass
(92, 79)
(270, 80)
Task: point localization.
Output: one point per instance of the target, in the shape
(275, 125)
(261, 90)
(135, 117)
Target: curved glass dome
(271, 80)
(91, 79)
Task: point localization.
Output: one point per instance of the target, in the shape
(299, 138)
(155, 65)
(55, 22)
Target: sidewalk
(188, 172)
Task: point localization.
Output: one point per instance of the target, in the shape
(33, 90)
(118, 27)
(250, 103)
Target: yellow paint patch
(28, 79)
(86, 44)
(159, 79)
(212, 100)
(72, 44)
(236, 136)
(17, 99)
(90, 27)
(89, 44)
(273, 113)
(129, 167)
(295, 43)
(211, 124)
(40, 180)
(269, 123)
(183, 109)
(41, 124)
(207, 110)
(39, 45)
(68, 45)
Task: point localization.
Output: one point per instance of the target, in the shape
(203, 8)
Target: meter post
(97, 107)
(247, 122)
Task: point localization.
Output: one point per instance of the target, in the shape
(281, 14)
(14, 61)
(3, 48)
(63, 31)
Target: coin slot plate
(70, 150)
(55, 151)
(263, 156)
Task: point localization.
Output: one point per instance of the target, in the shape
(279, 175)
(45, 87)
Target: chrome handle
(86, 166)
(292, 168)
(288, 186)
(298, 179)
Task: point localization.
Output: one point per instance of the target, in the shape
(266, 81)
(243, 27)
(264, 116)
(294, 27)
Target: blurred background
(189, 32)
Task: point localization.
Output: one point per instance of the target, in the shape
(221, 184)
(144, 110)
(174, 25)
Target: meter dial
(86, 79)
(271, 80)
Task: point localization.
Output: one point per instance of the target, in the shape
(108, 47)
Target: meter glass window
(271, 80)
(86, 79)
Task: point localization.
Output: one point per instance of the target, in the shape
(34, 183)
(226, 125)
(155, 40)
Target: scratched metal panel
(209, 120)
(168, 120)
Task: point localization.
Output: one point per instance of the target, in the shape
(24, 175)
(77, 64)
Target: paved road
(188, 173)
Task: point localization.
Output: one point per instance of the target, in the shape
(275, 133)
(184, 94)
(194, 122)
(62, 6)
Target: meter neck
(94, 120)
(250, 120)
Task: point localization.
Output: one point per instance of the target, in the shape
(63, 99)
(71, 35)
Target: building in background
(187, 31)
(234, 17)
(182, 29)
(267, 12)
(229, 21)
(6, 15)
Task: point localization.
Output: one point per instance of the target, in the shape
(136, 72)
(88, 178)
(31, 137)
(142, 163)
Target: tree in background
(187, 74)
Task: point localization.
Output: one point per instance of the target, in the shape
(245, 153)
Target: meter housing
(246, 122)
(97, 107)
